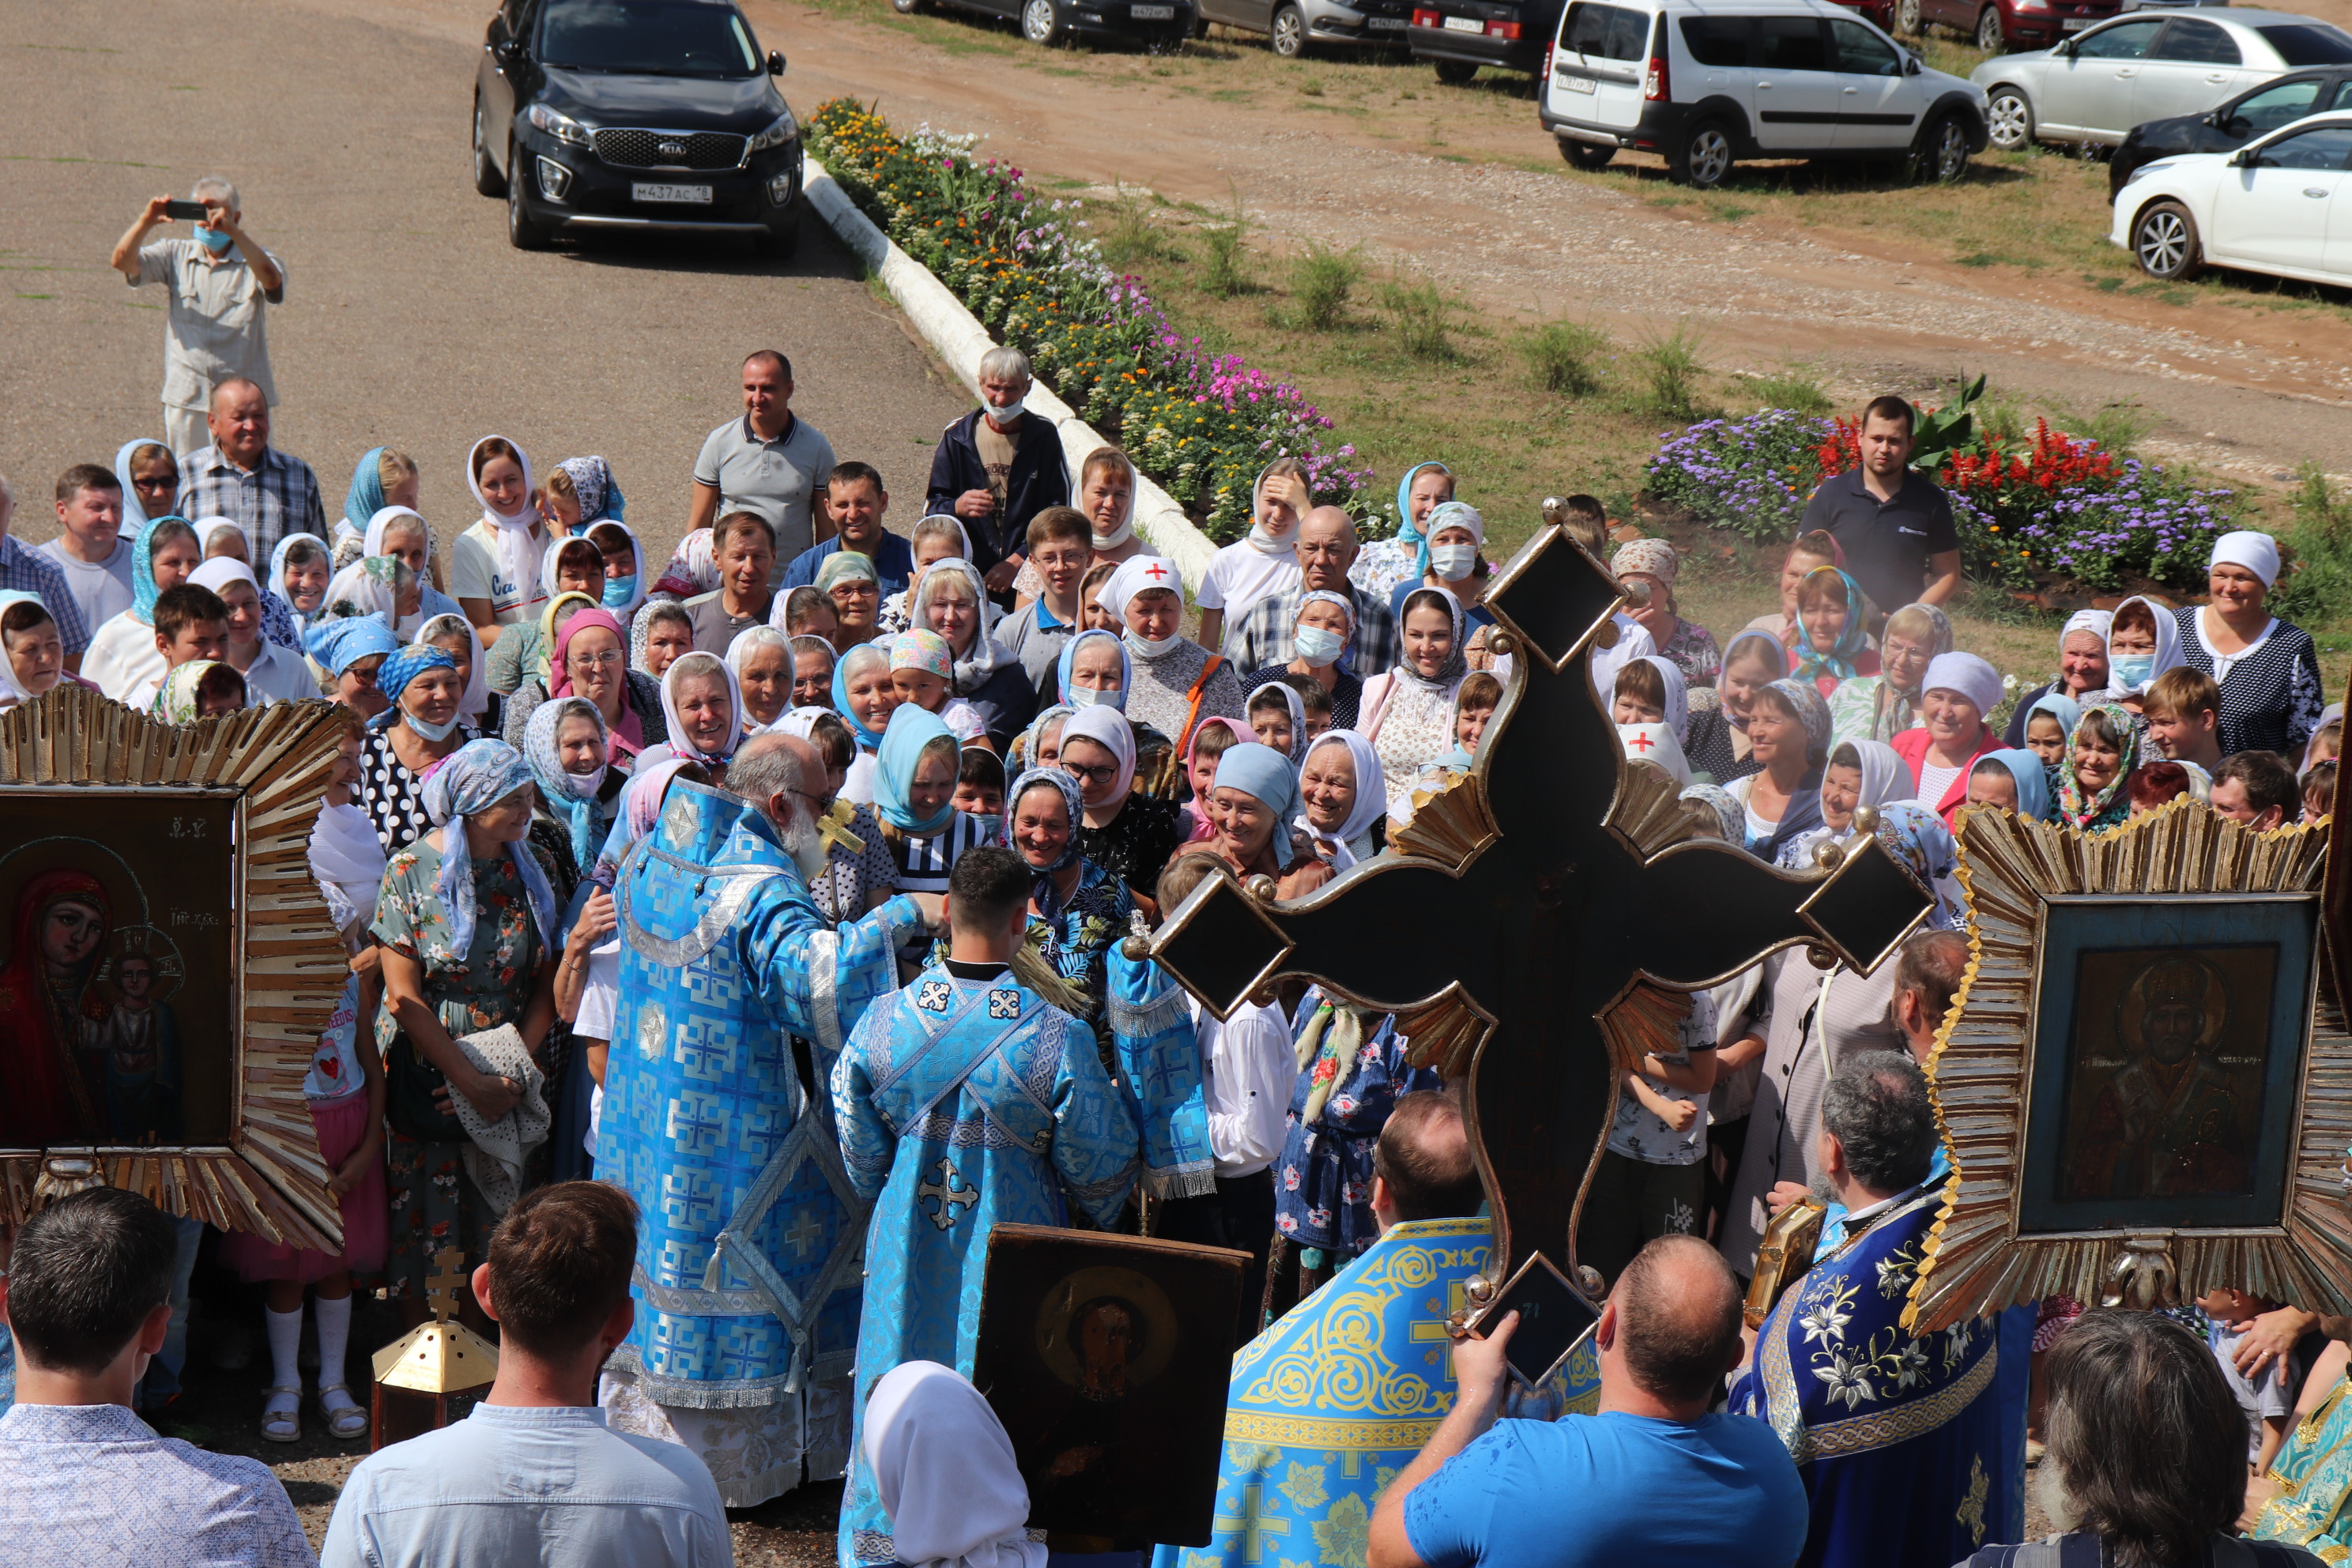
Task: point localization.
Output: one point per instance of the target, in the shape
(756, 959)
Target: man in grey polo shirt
(771, 461)
(220, 283)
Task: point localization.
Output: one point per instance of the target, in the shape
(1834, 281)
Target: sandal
(281, 1415)
(345, 1419)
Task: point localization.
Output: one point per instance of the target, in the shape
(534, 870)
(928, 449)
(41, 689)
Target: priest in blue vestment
(964, 1100)
(1897, 1436)
(746, 1282)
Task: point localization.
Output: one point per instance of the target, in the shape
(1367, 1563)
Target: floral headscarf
(176, 701)
(568, 797)
(368, 587)
(477, 776)
(1836, 661)
(1730, 815)
(1457, 663)
(593, 486)
(693, 567)
(1812, 709)
(1290, 700)
(1923, 845)
(1042, 890)
(2112, 804)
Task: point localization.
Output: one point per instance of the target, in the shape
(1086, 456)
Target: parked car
(635, 114)
(1293, 26)
(2282, 205)
(1998, 25)
(2231, 125)
(2095, 87)
(1709, 83)
(1457, 36)
(1046, 22)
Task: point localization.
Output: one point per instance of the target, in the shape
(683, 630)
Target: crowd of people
(697, 913)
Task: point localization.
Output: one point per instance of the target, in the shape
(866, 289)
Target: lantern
(416, 1375)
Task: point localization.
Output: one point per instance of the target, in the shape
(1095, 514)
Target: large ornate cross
(1525, 908)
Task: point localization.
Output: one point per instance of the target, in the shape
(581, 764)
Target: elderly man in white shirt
(221, 283)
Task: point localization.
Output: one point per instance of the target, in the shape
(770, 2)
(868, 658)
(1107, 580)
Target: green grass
(1570, 358)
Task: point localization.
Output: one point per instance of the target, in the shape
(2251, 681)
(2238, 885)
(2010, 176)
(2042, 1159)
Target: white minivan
(1708, 82)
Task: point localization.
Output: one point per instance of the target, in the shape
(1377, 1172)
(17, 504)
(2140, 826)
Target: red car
(1998, 25)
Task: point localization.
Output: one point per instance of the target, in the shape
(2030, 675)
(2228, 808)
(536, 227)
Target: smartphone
(1552, 1317)
(192, 211)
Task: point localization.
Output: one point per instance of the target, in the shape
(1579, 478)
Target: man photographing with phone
(219, 281)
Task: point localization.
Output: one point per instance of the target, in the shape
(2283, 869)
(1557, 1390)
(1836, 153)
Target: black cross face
(1545, 912)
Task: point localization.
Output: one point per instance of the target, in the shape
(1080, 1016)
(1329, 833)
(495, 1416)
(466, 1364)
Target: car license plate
(1465, 24)
(1384, 23)
(1579, 83)
(1152, 13)
(2076, 24)
(700, 194)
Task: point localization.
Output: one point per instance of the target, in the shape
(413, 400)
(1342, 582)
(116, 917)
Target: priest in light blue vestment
(747, 1280)
(1897, 1436)
(964, 1100)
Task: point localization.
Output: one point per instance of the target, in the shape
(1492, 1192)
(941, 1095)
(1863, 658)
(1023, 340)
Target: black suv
(635, 114)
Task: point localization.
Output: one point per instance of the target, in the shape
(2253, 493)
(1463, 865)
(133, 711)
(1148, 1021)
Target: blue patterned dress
(1323, 1180)
(746, 1281)
(962, 1103)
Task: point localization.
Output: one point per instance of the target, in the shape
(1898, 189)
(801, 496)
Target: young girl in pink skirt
(345, 1089)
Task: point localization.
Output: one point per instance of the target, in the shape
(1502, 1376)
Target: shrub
(1224, 255)
(2319, 583)
(1418, 310)
(1671, 374)
(1567, 357)
(1792, 389)
(1321, 280)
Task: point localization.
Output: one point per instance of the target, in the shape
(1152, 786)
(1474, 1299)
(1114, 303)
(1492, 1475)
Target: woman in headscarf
(914, 801)
(1653, 565)
(32, 652)
(761, 664)
(1408, 712)
(1320, 634)
(1076, 909)
(945, 1472)
(1279, 719)
(382, 478)
(582, 490)
(1789, 730)
(350, 653)
(150, 476)
(1921, 844)
(2013, 781)
(1094, 668)
(299, 570)
(454, 635)
(409, 740)
(378, 585)
(1957, 692)
(1177, 682)
(1382, 564)
(226, 537)
(1252, 807)
(848, 579)
(1881, 707)
(1832, 630)
(951, 599)
(1352, 1065)
(1457, 537)
(1264, 563)
(2082, 667)
(1106, 500)
(2142, 642)
(402, 531)
(494, 564)
(1716, 743)
(466, 926)
(123, 658)
(1859, 774)
(571, 577)
(938, 536)
(200, 688)
(1346, 810)
(1040, 746)
(865, 697)
(2268, 670)
(1128, 834)
(50, 1002)
(585, 662)
(2093, 781)
(692, 569)
(624, 567)
(565, 745)
(703, 713)
(1651, 708)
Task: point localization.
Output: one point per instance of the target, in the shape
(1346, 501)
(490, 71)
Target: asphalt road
(408, 319)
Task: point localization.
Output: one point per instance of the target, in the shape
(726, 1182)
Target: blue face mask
(1319, 646)
(213, 239)
(2129, 671)
(619, 590)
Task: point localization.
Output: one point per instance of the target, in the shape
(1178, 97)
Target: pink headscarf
(628, 736)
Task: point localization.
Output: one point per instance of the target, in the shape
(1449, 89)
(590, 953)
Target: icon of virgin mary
(51, 1007)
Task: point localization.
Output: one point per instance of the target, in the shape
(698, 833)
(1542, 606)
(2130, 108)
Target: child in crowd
(345, 1089)
(980, 782)
(2319, 791)
(1211, 739)
(2183, 709)
(1474, 704)
(200, 690)
(1276, 717)
(923, 671)
(2326, 743)
(1312, 698)
(2046, 733)
(1097, 618)
(1651, 1180)
(1265, 565)
(191, 624)
(2267, 1400)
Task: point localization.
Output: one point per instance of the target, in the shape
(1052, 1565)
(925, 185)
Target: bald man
(1651, 1478)
(1326, 548)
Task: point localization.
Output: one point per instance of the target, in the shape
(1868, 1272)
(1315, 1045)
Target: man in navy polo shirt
(855, 501)
(1894, 526)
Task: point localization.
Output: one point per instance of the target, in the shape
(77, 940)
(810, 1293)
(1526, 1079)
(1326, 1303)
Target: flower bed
(2054, 509)
(1201, 424)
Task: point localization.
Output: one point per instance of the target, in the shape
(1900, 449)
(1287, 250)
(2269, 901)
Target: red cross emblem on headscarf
(1640, 741)
(1155, 572)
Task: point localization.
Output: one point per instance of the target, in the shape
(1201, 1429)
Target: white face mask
(1013, 410)
(1453, 562)
(1152, 647)
(1319, 646)
(436, 734)
(1087, 697)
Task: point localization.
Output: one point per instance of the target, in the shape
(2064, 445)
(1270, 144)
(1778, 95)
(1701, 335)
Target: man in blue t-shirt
(1652, 1479)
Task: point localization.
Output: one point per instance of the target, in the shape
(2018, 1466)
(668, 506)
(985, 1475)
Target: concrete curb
(956, 334)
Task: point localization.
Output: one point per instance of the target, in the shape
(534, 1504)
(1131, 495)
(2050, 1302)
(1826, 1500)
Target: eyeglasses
(1101, 772)
(604, 660)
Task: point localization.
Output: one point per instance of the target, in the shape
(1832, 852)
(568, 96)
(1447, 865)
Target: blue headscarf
(1261, 771)
(2059, 705)
(1921, 844)
(569, 797)
(404, 666)
(143, 592)
(366, 497)
(477, 776)
(1069, 663)
(1837, 662)
(911, 728)
(337, 644)
(1042, 888)
(2033, 781)
(867, 739)
(1406, 532)
(135, 516)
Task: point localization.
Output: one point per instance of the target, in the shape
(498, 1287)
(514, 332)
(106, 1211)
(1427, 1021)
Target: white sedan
(2280, 204)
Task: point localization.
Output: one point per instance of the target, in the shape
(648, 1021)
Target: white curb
(958, 339)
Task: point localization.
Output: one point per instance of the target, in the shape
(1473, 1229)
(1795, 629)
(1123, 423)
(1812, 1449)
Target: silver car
(2095, 87)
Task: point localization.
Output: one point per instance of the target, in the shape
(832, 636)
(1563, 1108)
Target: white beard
(2050, 1491)
(806, 846)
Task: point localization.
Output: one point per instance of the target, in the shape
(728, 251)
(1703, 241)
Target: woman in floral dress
(1351, 1068)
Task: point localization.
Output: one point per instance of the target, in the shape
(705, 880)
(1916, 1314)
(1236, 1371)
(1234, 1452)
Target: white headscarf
(1657, 744)
(2094, 622)
(1677, 705)
(1967, 675)
(1372, 794)
(1107, 726)
(208, 529)
(946, 1474)
(381, 523)
(1126, 529)
(2168, 644)
(1885, 777)
(221, 571)
(679, 746)
(739, 650)
(278, 569)
(2257, 552)
(1135, 575)
(347, 858)
(980, 658)
(517, 532)
(476, 699)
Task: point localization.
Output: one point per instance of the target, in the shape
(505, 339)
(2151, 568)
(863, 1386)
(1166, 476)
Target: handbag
(409, 1082)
